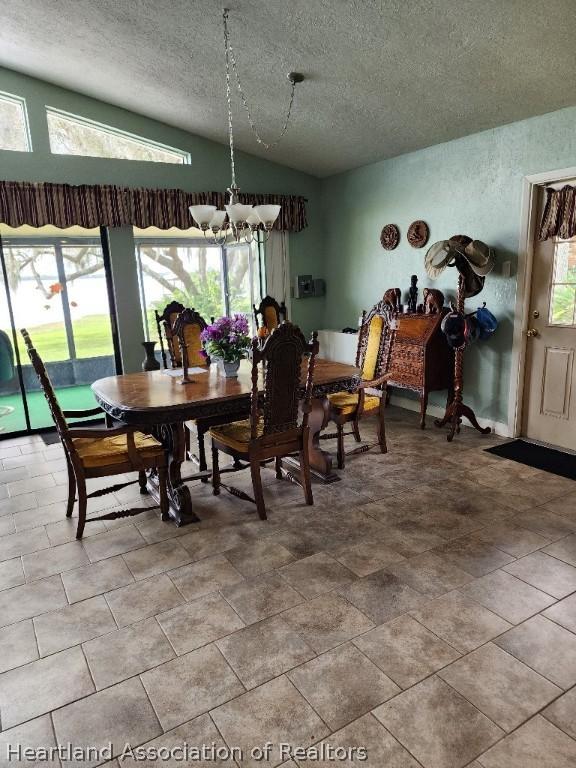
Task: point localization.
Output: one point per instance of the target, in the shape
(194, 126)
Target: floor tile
(461, 622)
(126, 652)
(342, 685)
(11, 573)
(156, 558)
(7, 525)
(192, 735)
(260, 556)
(546, 573)
(18, 544)
(65, 557)
(545, 523)
(535, 744)
(202, 543)
(563, 613)
(143, 599)
(35, 735)
(115, 542)
(511, 538)
(367, 557)
(275, 712)
(564, 549)
(411, 538)
(205, 576)
(510, 598)
(562, 713)
(65, 530)
(264, 650)
(546, 647)
(73, 625)
(30, 600)
(327, 621)
(30, 484)
(190, 685)
(194, 624)
(17, 645)
(382, 596)
(500, 686)
(437, 725)
(381, 748)
(313, 576)
(54, 681)
(95, 579)
(405, 650)
(429, 574)
(473, 556)
(261, 597)
(119, 715)
(11, 506)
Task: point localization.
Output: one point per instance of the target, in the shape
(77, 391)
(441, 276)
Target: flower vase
(150, 363)
(229, 369)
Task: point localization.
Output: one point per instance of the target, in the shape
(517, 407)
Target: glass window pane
(70, 135)
(239, 265)
(562, 304)
(565, 261)
(13, 124)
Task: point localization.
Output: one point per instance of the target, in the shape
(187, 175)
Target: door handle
(532, 333)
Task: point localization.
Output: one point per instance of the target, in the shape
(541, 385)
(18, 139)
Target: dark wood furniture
(165, 325)
(269, 314)
(272, 431)
(162, 404)
(348, 407)
(96, 452)
(417, 355)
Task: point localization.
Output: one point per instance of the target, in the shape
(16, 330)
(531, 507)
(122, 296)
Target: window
(73, 135)
(563, 288)
(215, 280)
(14, 133)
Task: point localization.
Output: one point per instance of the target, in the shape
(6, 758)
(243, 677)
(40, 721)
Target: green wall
(471, 186)
(209, 169)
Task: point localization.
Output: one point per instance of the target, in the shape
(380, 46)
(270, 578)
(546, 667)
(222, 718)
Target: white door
(549, 413)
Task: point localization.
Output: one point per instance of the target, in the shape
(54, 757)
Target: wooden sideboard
(417, 356)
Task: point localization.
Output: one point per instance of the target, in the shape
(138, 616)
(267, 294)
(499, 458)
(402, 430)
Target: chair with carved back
(272, 431)
(269, 314)
(165, 322)
(187, 330)
(350, 407)
(98, 452)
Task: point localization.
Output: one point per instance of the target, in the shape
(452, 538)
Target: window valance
(559, 217)
(64, 205)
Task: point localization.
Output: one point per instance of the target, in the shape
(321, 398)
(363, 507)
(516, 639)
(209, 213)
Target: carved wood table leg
(180, 510)
(320, 461)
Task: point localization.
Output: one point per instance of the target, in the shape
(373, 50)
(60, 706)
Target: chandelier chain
(231, 59)
(229, 100)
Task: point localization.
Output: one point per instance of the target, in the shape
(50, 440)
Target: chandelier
(242, 222)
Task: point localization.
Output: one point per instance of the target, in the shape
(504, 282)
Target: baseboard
(501, 429)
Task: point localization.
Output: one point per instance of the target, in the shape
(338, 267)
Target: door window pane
(563, 287)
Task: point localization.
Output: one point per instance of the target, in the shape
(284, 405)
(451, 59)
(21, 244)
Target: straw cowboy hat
(473, 259)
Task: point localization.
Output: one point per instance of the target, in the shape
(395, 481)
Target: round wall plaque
(418, 234)
(389, 237)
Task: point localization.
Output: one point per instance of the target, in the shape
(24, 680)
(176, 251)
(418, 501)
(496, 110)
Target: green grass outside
(92, 337)
(70, 398)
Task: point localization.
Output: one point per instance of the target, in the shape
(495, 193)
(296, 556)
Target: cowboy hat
(473, 283)
(442, 254)
(480, 257)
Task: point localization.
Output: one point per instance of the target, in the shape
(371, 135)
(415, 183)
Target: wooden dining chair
(350, 407)
(165, 322)
(269, 314)
(99, 452)
(272, 431)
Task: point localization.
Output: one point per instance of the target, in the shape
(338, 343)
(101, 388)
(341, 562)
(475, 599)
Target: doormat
(50, 438)
(538, 456)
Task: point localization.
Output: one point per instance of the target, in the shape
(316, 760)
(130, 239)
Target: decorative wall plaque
(389, 237)
(418, 233)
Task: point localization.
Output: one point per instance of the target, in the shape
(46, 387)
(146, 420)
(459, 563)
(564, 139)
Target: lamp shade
(238, 212)
(268, 214)
(253, 219)
(217, 220)
(202, 214)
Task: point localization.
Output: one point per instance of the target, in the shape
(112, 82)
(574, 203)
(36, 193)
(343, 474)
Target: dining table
(160, 403)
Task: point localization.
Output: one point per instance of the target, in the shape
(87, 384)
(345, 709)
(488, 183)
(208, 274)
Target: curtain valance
(64, 205)
(559, 217)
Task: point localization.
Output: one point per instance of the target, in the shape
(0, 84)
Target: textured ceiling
(383, 78)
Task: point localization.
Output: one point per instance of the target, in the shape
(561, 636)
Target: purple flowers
(228, 338)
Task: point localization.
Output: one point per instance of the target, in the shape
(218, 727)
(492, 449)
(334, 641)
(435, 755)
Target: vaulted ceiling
(383, 78)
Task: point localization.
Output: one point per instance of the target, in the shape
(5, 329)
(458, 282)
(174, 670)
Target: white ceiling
(383, 78)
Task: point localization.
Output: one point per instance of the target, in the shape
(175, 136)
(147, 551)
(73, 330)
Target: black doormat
(50, 438)
(537, 456)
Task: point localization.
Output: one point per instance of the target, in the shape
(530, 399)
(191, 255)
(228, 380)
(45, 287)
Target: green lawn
(70, 398)
(92, 336)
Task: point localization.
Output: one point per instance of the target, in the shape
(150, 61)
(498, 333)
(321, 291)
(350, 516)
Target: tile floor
(424, 609)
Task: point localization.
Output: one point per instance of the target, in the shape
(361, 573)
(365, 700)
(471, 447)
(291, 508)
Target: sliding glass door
(54, 284)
